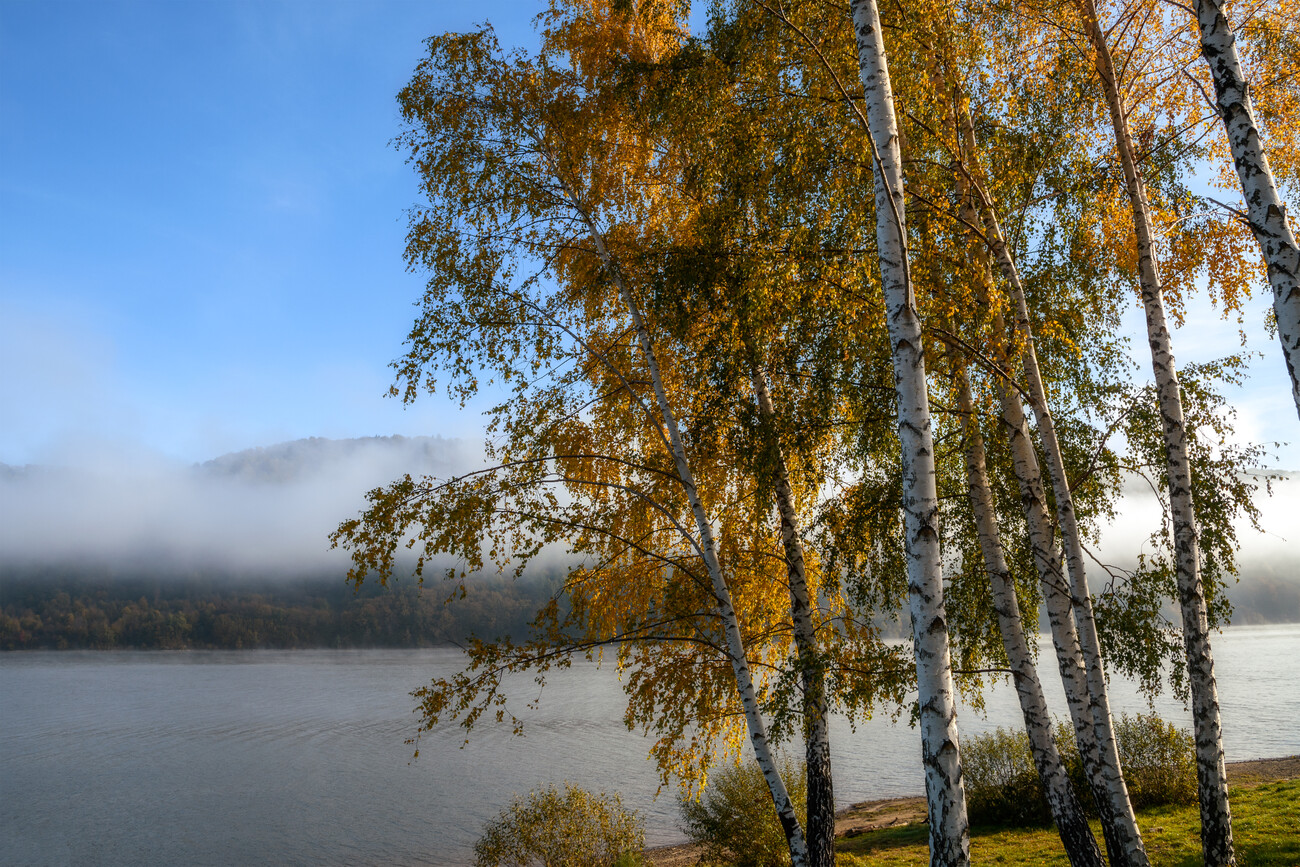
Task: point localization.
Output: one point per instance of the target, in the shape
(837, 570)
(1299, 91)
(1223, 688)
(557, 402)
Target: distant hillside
(1266, 593)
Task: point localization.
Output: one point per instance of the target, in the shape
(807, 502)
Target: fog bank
(268, 512)
(1278, 539)
(265, 510)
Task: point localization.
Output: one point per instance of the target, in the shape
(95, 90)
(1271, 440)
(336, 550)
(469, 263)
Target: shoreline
(867, 816)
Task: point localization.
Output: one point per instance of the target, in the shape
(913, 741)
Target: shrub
(734, 820)
(1159, 761)
(1002, 785)
(569, 828)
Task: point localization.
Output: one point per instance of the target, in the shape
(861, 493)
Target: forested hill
(68, 611)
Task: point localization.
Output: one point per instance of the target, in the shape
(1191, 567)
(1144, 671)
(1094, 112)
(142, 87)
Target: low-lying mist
(267, 513)
(264, 511)
(1267, 588)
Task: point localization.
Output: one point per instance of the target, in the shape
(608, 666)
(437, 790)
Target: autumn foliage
(747, 297)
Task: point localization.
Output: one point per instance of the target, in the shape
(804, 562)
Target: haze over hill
(263, 510)
(268, 511)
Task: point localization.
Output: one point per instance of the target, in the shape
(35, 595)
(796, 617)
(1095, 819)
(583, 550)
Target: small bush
(569, 828)
(1002, 785)
(1159, 761)
(734, 820)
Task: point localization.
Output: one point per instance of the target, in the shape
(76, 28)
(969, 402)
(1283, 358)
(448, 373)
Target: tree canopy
(751, 296)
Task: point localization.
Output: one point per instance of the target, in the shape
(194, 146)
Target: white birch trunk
(945, 792)
(1264, 206)
(726, 611)
(1056, 598)
(817, 744)
(1123, 838)
(1216, 815)
(1072, 825)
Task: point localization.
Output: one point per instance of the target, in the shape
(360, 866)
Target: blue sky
(201, 222)
(201, 226)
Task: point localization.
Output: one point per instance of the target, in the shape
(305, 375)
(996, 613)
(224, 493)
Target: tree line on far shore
(209, 613)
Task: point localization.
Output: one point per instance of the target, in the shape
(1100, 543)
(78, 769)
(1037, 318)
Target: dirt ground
(866, 816)
(870, 815)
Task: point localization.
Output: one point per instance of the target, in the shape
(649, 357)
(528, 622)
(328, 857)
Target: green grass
(1266, 828)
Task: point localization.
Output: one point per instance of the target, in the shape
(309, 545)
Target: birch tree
(756, 230)
(940, 754)
(513, 176)
(1216, 817)
(1076, 836)
(1265, 209)
(1017, 374)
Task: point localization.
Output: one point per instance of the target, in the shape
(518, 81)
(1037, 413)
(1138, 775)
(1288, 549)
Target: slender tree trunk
(1076, 836)
(1113, 804)
(1056, 598)
(726, 611)
(1264, 206)
(812, 669)
(1216, 815)
(1119, 823)
(1123, 838)
(945, 792)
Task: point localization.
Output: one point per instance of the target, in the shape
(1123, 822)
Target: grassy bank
(1266, 825)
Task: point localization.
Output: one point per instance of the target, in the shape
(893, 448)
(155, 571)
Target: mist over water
(1138, 515)
(1267, 587)
(266, 510)
(275, 506)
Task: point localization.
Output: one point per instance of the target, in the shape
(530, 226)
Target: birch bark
(1072, 825)
(945, 792)
(1123, 838)
(817, 744)
(1264, 206)
(726, 611)
(1113, 804)
(1065, 636)
(1216, 815)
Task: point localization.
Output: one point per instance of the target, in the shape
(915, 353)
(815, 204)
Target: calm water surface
(266, 757)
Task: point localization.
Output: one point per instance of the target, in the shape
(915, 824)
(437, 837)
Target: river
(298, 757)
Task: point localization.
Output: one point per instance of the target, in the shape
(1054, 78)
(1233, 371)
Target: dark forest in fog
(64, 610)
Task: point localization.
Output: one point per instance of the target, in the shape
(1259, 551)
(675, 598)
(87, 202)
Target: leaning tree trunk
(1264, 206)
(1060, 619)
(1076, 836)
(1124, 839)
(945, 792)
(812, 668)
(1216, 816)
(1106, 778)
(726, 611)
